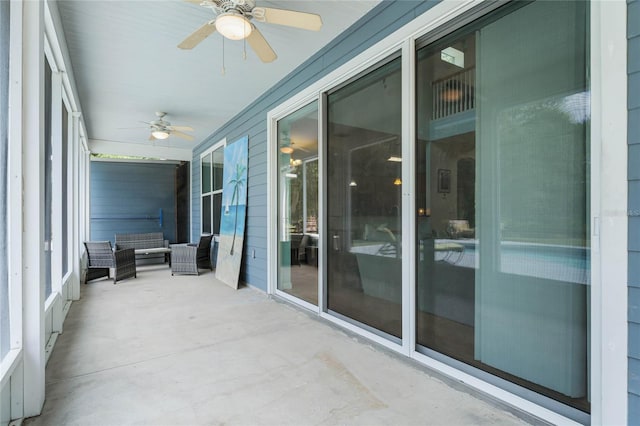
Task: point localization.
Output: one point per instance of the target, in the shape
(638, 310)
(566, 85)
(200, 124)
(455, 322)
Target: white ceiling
(127, 66)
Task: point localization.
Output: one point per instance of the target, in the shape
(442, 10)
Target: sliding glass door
(364, 235)
(298, 204)
(501, 231)
(502, 195)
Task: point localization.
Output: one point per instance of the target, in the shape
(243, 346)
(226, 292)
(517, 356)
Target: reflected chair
(298, 248)
(189, 258)
(102, 258)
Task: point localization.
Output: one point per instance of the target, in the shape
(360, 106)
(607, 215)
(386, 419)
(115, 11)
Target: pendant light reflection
(397, 181)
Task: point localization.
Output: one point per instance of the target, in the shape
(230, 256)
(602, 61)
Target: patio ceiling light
(160, 134)
(233, 26)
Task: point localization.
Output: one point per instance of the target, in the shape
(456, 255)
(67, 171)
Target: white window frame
(221, 144)
(54, 303)
(608, 338)
(69, 188)
(273, 176)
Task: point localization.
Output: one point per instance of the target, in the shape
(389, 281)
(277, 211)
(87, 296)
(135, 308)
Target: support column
(75, 238)
(608, 209)
(56, 201)
(33, 231)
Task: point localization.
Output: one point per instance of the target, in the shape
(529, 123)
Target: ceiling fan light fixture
(160, 134)
(286, 150)
(233, 26)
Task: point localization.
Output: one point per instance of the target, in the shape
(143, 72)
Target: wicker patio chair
(102, 257)
(188, 258)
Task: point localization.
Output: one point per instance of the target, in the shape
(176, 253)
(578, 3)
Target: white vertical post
(14, 203)
(408, 197)
(272, 206)
(87, 195)
(75, 216)
(321, 220)
(14, 182)
(609, 205)
(33, 234)
(56, 200)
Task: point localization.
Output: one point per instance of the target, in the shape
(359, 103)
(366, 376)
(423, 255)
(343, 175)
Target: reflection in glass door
(298, 204)
(502, 183)
(364, 189)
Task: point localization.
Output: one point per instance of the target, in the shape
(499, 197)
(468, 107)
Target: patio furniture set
(182, 258)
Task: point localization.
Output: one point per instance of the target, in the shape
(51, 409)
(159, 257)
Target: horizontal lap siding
(381, 21)
(633, 51)
(375, 26)
(126, 198)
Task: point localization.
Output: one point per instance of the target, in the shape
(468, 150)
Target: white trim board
(609, 213)
(148, 150)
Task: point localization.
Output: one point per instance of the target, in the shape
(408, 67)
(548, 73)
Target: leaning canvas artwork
(234, 211)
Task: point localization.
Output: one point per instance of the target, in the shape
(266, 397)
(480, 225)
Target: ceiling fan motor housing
(159, 124)
(244, 7)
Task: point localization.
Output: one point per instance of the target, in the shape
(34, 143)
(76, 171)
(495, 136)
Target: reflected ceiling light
(451, 95)
(291, 175)
(453, 56)
(160, 134)
(286, 150)
(395, 159)
(353, 183)
(397, 181)
(233, 26)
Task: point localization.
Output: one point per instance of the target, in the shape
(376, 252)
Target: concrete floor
(187, 350)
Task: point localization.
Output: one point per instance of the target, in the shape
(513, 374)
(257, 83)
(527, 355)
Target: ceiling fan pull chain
(223, 70)
(244, 49)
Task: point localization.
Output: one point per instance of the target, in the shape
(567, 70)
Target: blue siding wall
(127, 198)
(381, 21)
(633, 33)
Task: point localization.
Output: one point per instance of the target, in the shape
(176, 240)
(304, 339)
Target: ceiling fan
(162, 129)
(232, 20)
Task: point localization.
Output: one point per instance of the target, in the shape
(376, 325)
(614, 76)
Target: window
(212, 163)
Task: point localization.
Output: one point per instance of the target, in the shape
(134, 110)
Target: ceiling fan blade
(194, 1)
(292, 18)
(260, 46)
(182, 135)
(197, 36)
(180, 128)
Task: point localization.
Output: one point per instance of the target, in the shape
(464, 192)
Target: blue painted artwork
(234, 212)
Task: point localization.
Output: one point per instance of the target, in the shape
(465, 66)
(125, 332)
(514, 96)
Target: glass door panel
(298, 204)
(502, 182)
(364, 235)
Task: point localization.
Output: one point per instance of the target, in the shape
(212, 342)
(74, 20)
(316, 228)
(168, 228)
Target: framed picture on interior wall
(444, 180)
